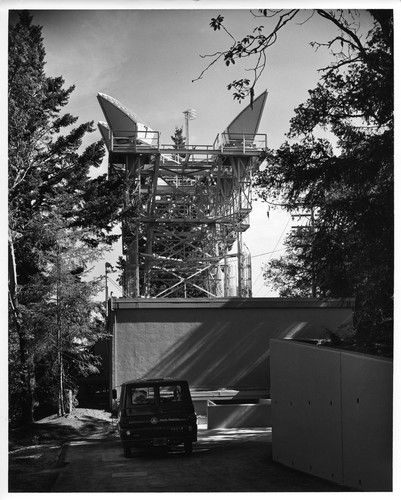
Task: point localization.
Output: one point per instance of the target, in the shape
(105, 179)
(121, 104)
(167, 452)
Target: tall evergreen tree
(48, 174)
(64, 320)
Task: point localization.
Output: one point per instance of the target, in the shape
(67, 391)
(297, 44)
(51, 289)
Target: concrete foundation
(238, 415)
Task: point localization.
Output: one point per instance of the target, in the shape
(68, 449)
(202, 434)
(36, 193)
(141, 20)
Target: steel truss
(184, 213)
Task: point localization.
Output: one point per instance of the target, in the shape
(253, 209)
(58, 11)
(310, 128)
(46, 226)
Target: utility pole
(311, 216)
(312, 219)
(136, 261)
(106, 287)
(106, 267)
(239, 263)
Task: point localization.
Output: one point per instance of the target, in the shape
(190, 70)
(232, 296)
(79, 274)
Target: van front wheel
(127, 452)
(188, 447)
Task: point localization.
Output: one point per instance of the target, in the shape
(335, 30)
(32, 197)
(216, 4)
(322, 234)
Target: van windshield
(140, 395)
(171, 393)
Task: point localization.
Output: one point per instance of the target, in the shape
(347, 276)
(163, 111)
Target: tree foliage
(347, 183)
(178, 138)
(52, 198)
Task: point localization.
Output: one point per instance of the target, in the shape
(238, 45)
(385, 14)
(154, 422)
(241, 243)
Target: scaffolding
(184, 210)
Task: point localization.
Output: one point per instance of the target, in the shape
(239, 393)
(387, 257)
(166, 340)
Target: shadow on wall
(209, 357)
(213, 348)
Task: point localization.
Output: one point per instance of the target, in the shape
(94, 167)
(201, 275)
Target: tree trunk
(27, 369)
(61, 408)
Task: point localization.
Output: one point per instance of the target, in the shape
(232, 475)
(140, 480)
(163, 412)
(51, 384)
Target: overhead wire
(273, 251)
(252, 257)
(267, 253)
(115, 284)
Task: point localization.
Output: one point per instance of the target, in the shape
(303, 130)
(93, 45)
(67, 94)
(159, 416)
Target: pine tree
(48, 181)
(178, 140)
(64, 320)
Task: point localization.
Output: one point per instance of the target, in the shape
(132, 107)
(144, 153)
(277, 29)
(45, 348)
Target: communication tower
(184, 209)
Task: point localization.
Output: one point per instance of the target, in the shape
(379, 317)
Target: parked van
(156, 412)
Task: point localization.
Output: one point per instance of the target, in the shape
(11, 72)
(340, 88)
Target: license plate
(159, 441)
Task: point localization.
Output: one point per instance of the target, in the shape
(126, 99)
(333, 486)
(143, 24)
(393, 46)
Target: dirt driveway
(35, 452)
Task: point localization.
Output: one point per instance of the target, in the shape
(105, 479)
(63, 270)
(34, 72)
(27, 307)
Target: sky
(147, 58)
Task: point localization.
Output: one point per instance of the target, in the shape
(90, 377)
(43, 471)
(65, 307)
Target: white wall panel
(306, 407)
(367, 428)
(332, 414)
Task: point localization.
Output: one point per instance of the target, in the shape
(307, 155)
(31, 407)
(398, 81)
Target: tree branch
(358, 45)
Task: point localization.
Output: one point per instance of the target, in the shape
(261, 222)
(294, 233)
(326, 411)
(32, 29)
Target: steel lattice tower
(184, 210)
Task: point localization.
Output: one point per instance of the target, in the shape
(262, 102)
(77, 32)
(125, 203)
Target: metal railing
(244, 142)
(134, 140)
(142, 140)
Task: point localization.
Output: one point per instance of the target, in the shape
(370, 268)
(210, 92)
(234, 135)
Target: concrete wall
(332, 414)
(214, 344)
(236, 416)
